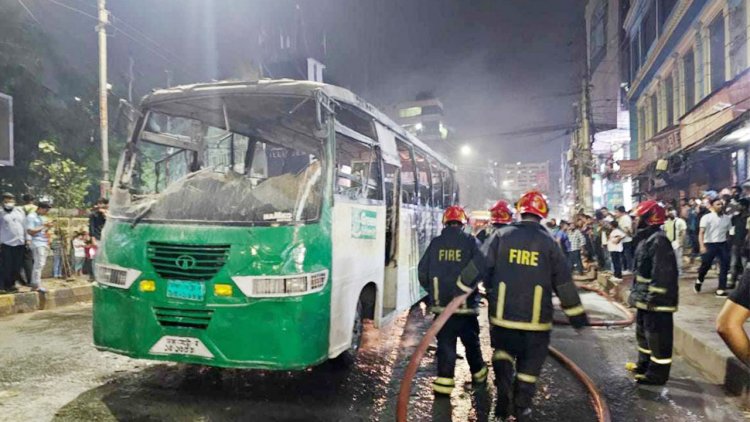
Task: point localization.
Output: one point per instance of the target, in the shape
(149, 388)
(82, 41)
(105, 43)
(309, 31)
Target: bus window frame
(377, 161)
(436, 170)
(404, 145)
(425, 158)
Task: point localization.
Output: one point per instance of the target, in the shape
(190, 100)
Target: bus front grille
(186, 318)
(187, 262)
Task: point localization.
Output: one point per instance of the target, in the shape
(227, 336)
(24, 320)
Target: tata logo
(185, 262)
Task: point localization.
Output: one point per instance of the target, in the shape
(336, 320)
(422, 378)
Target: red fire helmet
(533, 202)
(500, 213)
(654, 213)
(454, 213)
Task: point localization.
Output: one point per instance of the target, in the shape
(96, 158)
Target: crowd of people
(28, 237)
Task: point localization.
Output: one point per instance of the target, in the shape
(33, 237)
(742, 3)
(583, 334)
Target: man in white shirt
(12, 242)
(676, 230)
(625, 223)
(713, 236)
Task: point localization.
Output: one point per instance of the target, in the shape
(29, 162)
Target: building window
(634, 57)
(648, 31)
(689, 68)
(669, 100)
(654, 115)
(598, 35)
(738, 37)
(410, 112)
(716, 33)
(665, 9)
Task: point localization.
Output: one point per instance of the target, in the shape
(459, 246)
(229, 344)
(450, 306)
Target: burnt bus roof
(292, 88)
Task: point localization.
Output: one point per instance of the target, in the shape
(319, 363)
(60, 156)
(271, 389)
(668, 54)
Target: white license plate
(174, 345)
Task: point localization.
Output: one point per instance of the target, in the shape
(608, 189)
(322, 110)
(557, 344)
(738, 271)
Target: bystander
(625, 223)
(676, 230)
(713, 236)
(38, 227)
(12, 243)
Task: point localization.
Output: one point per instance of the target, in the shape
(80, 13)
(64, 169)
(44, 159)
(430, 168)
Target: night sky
(498, 66)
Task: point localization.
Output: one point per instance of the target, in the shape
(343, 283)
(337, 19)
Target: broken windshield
(236, 159)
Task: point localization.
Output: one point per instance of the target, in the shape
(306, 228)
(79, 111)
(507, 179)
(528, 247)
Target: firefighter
(525, 266)
(500, 216)
(654, 294)
(451, 266)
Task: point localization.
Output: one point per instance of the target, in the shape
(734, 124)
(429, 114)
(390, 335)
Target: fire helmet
(533, 202)
(454, 213)
(651, 212)
(500, 213)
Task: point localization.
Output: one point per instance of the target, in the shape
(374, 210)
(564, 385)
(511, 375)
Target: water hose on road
(600, 405)
(402, 408)
(628, 321)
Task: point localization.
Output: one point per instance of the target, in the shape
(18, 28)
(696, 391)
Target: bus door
(392, 186)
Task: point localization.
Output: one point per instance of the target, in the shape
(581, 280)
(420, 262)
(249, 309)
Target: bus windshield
(235, 159)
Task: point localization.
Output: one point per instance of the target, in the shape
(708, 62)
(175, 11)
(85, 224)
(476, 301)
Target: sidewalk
(59, 293)
(695, 336)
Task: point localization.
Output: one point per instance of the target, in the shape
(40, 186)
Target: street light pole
(101, 28)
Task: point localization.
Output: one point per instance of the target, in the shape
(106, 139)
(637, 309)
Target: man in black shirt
(97, 219)
(739, 239)
(731, 320)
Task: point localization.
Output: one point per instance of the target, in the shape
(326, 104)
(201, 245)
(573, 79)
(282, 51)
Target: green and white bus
(257, 225)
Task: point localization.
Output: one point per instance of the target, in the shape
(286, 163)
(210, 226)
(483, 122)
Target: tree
(66, 183)
(59, 177)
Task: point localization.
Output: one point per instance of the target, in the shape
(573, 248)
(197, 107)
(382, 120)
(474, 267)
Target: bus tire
(347, 358)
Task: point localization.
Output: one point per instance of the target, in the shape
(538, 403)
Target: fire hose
(600, 405)
(626, 322)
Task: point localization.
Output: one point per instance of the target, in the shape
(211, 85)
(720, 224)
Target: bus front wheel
(349, 356)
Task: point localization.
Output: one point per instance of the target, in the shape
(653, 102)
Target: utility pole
(101, 28)
(583, 155)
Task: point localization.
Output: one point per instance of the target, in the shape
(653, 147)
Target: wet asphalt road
(50, 371)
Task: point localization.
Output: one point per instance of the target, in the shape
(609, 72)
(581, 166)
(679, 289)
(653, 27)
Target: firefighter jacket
(524, 267)
(451, 266)
(655, 286)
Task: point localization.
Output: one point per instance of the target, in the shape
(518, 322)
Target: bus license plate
(189, 290)
(174, 345)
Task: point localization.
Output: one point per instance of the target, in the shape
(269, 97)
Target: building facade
(607, 68)
(424, 118)
(518, 178)
(688, 92)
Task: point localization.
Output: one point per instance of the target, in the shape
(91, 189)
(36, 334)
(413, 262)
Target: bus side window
(358, 173)
(437, 185)
(423, 179)
(408, 181)
(449, 197)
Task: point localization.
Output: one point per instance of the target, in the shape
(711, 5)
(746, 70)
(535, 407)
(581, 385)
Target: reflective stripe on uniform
(536, 311)
(525, 326)
(642, 350)
(500, 311)
(441, 389)
(654, 289)
(502, 355)
(463, 287)
(435, 291)
(444, 381)
(574, 311)
(641, 279)
(666, 361)
(526, 378)
(481, 375)
(645, 307)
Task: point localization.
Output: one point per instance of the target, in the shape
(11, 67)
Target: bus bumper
(278, 334)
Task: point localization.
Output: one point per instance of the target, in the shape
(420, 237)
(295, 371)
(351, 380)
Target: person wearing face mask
(12, 242)
(713, 237)
(676, 229)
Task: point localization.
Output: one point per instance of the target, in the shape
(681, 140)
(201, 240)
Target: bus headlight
(279, 286)
(116, 276)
